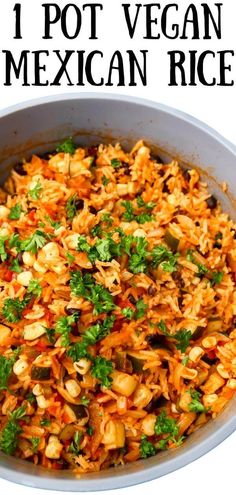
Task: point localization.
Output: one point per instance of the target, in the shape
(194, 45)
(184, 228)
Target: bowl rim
(194, 452)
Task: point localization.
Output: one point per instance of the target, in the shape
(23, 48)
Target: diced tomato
(211, 354)
(56, 465)
(8, 275)
(31, 215)
(41, 346)
(124, 304)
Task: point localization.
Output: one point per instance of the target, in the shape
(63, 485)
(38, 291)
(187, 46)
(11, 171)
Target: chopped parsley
(68, 146)
(216, 278)
(31, 398)
(35, 443)
(182, 337)
(147, 449)
(162, 256)
(15, 266)
(35, 288)
(196, 405)
(101, 369)
(105, 180)
(71, 207)
(15, 212)
(185, 361)
(91, 336)
(35, 242)
(75, 444)
(14, 242)
(6, 366)
(128, 313)
(84, 400)
(85, 286)
(10, 433)
(70, 258)
(138, 258)
(3, 253)
(140, 309)
(64, 327)
(45, 422)
(165, 424)
(50, 332)
(202, 269)
(52, 222)
(34, 193)
(115, 163)
(90, 430)
(13, 308)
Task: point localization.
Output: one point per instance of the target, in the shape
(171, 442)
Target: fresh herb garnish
(75, 444)
(196, 405)
(162, 256)
(10, 433)
(35, 242)
(85, 286)
(70, 258)
(15, 266)
(64, 326)
(15, 212)
(216, 278)
(45, 422)
(138, 258)
(91, 336)
(71, 207)
(52, 222)
(35, 191)
(67, 146)
(183, 336)
(84, 400)
(147, 449)
(13, 308)
(105, 180)
(35, 443)
(115, 163)
(31, 398)
(35, 288)
(3, 253)
(50, 332)
(101, 369)
(6, 366)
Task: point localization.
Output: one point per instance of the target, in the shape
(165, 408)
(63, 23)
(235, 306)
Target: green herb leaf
(45, 422)
(105, 180)
(67, 146)
(85, 286)
(115, 163)
(35, 443)
(75, 444)
(35, 242)
(13, 308)
(10, 433)
(31, 398)
(165, 424)
(53, 223)
(196, 405)
(101, 369)
(84, 400)
(50, 332)
(140, 309)
(71, 208)
(183, 337)
(35, 288)
(70, 258)
(35, 191)
(147, 449)
(90, 430)
(3, 253)
(6, 366)
(64, 327)
(138, 259)
(128, 313)
(15, 266)
(15, 212)
(216, 278)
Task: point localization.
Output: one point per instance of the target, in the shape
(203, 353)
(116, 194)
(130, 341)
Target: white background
(214, 105)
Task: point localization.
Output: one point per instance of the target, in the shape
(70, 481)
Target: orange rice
(118, 307)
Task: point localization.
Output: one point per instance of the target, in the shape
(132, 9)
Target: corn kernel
(195, 354)
(28, 258)
(54, 448)
(209, 342)
(148, 424)
(24, 278)
(222, 371)
(82, 366)
(122, 383)
(73, 388)
(114, 435)
(231, 383)
(20, 366)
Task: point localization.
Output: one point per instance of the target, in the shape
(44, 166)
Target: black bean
(132, 299)
(93, 210)
(157, 341)
(126, 168)
(73, 311)
(20, 258)
(217, 245)
(211, 202)
(19, 169)
(197, 224)
(208, 360)
(157, 158)
(151, 290)
(92, 150)
(79, 204)
(165, 188)
(155, 403)
(186, 175)
(161, 172)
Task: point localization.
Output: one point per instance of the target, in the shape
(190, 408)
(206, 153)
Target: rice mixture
(118, 307)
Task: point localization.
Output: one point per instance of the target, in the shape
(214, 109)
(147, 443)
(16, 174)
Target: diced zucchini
(39, 373)
(171, 240)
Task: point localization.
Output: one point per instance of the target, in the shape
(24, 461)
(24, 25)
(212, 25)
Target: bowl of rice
(117, 293)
